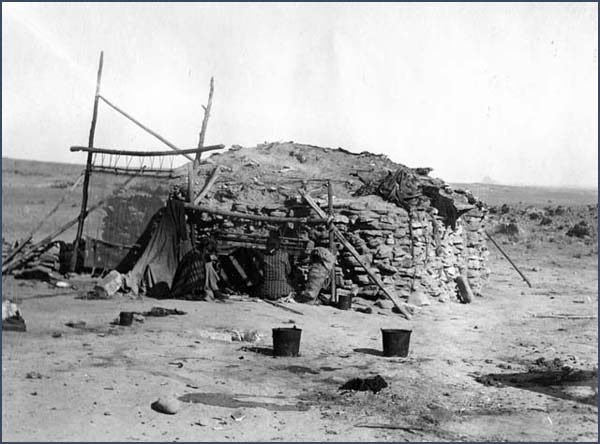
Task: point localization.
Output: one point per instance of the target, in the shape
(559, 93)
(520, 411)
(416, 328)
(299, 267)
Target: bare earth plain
(517, 364)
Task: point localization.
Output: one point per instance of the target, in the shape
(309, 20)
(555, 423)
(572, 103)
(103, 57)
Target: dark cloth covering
(170, 242)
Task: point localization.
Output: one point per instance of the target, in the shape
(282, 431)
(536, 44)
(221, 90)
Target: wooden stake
(399, 304)
(509, 260)
(88, 164)
(332, 241)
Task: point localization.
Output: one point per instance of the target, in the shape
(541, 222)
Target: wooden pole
(399, 304)
(88, 165)
(62, 229)
(42, 221)
(202, 134)
(144, 153)
(509, 260)
(332, 241)
(190, 184)
(236, 215)
(208, 185)
(142, 126)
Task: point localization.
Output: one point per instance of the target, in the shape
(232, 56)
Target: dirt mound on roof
(272, 173)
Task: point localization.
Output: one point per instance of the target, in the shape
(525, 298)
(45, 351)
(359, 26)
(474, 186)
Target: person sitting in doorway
(275, 267)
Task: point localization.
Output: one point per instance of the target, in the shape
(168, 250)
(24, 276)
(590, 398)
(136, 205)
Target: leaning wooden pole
(331, 240)
(508, 258)
(88, 166)
(41, 244)
(208, 185)
(27, 238)
(401, 306)
(144, 127)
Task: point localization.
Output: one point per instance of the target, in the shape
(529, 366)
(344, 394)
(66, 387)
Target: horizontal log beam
(145, 153)
(236, 215)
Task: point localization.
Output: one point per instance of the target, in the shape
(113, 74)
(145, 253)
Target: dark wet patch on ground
(329, 369)
(300, 369)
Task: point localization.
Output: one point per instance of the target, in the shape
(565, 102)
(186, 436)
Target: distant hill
(495, 194)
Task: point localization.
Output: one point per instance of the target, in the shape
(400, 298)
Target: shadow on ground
(579, 385)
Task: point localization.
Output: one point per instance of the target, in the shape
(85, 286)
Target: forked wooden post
(206, 108)
(331, 240)
(201, 136)
(88, 167)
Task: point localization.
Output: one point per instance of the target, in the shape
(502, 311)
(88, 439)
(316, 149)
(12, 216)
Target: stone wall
(409, 249)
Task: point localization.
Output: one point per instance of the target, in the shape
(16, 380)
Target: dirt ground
(517, 364)
(98, 382)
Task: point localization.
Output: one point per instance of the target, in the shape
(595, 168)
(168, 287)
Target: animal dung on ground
(167, 405)
(373, 384)
(76, 324)
(161, 312)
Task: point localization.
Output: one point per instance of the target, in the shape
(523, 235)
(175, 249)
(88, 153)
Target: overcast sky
(508, 91)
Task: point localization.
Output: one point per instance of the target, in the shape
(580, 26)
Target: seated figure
(276, 268)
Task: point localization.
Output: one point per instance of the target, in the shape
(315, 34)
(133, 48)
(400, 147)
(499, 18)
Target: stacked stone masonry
(409, 250)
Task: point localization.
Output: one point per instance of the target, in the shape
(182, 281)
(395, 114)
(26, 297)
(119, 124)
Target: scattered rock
(238, 415)
(579, 230)
(167, 405)
(76, 324)
(418, 298)
(108, 286)
(33, 375)
(246, 336)
(385, 304)
(366, 310)
(10, 310)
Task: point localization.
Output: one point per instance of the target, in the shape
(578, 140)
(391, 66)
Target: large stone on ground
(167, 405)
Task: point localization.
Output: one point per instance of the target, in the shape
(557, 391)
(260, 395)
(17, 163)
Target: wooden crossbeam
(145, 153)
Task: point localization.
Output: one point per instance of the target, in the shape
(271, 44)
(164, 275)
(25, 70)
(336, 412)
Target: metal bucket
(126, 318)
(286, 341)
(395, 342)
(344, 301)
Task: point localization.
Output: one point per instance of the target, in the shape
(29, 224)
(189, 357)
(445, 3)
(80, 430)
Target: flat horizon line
(453, 182)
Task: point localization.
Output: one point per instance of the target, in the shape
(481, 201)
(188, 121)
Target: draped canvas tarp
(155, 269)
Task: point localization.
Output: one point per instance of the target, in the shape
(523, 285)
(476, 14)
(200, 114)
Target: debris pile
(32, 261)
